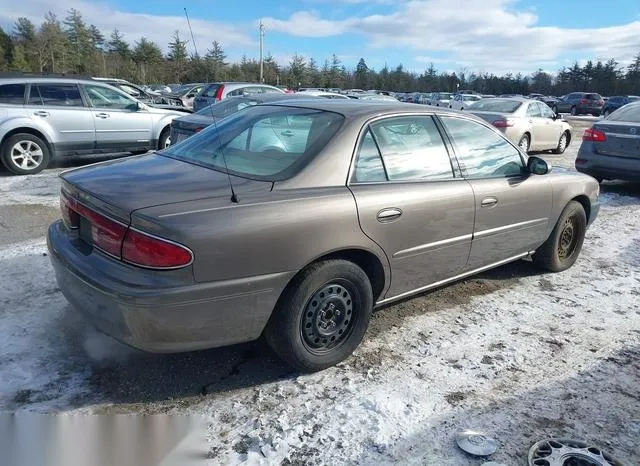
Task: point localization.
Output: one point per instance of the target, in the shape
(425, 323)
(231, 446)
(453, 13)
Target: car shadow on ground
(599, 405)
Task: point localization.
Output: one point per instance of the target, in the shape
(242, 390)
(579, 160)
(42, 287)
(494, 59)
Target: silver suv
(43, 118)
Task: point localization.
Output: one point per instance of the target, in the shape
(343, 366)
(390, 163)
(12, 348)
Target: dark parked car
(548, 99)
(294, 220)
(614, 103)
(215, 92)
(580, 103)
(611, 148)
(187, 126)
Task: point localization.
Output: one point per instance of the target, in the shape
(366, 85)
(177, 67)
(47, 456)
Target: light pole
(261, 47)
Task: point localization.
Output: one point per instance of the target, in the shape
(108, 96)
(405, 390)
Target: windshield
(497, 105)
(227, 107)
(445, 96)
(264, 142)
(471, 98)
(629, 112)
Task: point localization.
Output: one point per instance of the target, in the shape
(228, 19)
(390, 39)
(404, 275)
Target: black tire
(574, 111)
(139, 152)
(524, 143)
(563, 246)
(316, 298)
(563, 143)
(164, 138)
(35, 149)
(555, 110)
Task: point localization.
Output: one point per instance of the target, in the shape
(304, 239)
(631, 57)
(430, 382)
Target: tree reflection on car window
(482, 152)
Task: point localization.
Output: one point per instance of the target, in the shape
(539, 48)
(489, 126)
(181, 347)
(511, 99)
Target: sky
(496, 36)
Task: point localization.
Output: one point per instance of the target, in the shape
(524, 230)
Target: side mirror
(538, 166)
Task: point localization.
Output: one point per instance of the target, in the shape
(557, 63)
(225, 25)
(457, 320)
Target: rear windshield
(629, 112)
(264, 142)
(210, 90)
(497, 105)
(227, 107)
(593, 96)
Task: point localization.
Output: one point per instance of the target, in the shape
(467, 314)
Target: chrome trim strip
(417, 250)
(513, 226)
(452, 279)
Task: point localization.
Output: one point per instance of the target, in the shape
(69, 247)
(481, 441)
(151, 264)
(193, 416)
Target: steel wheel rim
(568, 238)
(524, 144)
(167, 142)
(26, 155)
(328, 318)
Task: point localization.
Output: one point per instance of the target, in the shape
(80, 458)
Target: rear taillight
(594, 135)
(219, 92)
(122, 242)
(584, 101)
(70, 217)
(503, 123)
(149, 251)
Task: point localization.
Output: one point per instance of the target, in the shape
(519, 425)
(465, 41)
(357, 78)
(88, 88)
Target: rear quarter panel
(19, 118)
(261, 236)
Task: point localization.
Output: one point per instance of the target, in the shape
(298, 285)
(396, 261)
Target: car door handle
(41, 113)
(102, 115)
(389, 215)
(489, 202)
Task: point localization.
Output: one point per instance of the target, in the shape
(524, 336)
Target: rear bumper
(605, 166)
(164, 318)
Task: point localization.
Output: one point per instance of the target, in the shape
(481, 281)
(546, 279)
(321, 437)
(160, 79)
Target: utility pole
(261, 48)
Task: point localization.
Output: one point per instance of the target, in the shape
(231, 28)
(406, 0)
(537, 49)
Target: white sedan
(462, 101)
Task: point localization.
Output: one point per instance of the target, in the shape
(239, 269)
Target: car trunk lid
(117, 188)
(622, 139)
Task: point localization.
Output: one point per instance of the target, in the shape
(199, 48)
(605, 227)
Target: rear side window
(55, 95)
(210, 90)
(533, 110)
(481, 152)
(12, 94)
(369, 167)
(412, 149)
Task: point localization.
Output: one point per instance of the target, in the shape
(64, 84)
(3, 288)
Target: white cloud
(490, 34)
(133, 25)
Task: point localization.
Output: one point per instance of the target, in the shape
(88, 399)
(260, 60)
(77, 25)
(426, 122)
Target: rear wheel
(25, 154)
(563, 246)
(322, 316)
(562, 144)
(524, 143)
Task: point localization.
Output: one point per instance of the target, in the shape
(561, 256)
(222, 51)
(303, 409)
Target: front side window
(103, 97)
(12, 94)
(546, 111)
(412, 149)
(55, 95)
(481, 151)
(263, 142)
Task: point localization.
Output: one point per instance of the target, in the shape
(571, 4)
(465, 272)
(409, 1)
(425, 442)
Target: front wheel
(562, 144)
(524, 143)
(563, 246)
(322, 316)
(165, 140)
(25, 154)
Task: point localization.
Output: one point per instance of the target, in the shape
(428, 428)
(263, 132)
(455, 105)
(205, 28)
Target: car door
(537, 125)
(120, 124)
(552, 127)
(512, 206)
(62, 107)
(410, 202)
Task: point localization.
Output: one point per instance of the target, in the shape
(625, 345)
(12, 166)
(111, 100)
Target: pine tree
(215, 59)
(178, 57)
(362, 74)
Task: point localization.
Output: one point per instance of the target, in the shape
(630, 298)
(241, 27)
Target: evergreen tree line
(71, 46)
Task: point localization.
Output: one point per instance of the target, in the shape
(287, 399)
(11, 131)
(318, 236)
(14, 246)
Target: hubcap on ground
(568, 238)
(26, 155)
(328, 318)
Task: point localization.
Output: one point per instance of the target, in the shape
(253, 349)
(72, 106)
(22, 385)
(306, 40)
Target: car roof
(46, 79)
(363, 108)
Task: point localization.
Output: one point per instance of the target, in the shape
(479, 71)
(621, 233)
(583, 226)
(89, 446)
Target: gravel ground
(519, 354)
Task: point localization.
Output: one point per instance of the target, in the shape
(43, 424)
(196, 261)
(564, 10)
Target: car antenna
(234, 197)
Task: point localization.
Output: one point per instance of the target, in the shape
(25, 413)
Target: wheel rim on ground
(328, 318)
(562, 145)
(26, 155)
(568, 238)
